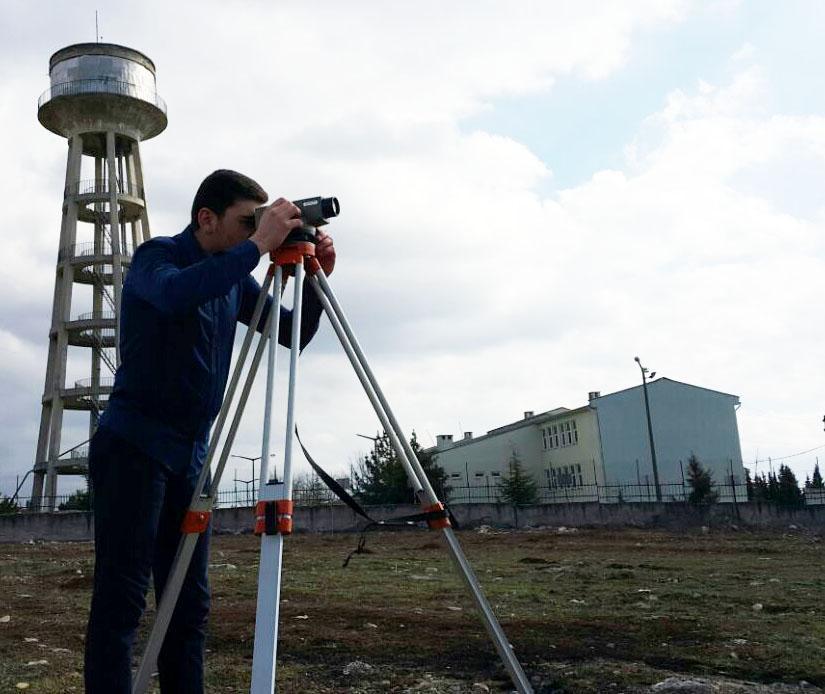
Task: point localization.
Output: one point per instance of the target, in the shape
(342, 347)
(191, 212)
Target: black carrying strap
(342, 494)
(336, 488)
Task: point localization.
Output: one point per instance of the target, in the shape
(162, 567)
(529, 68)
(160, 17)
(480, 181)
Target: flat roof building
(601, 451)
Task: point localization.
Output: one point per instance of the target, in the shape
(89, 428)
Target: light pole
(371, 438)
(252, 461)
(644, 371)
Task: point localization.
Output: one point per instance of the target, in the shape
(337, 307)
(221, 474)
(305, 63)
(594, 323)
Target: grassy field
(587, 611)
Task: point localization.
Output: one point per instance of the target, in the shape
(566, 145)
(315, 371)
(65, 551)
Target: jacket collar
(192, 251)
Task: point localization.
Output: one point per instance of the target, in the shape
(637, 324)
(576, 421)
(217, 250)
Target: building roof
(671, 380)
(542, 417)
(535, 420)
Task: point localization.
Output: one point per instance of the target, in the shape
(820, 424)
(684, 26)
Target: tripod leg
(369, 390)
(406, 452)
(416, 474)
(270, 492)
(271, 363)
(200, 507)
(217, 429)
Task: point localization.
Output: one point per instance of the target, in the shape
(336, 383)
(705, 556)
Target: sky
(531, 195)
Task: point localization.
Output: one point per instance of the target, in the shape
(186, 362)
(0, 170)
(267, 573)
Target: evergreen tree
(78, 501)
(773, 487)
(700, 481)
(518, 487)
(788, 494)
(435, 473)
(816, 479)
(8, 505)
(760, 488)
(750, 485)
(380, 478)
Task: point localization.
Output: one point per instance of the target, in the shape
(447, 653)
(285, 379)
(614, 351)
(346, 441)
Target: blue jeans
(138, 508)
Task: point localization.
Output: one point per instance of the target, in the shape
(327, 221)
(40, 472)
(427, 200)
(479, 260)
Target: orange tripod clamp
(272, 517)
(195, 522)
(440, 519)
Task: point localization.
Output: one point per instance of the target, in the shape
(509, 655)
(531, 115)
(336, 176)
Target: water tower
(103, 100)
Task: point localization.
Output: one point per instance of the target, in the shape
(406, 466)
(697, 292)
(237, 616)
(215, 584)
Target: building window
(564, 476)
(456, 475)
(560, 435)
(495, 474)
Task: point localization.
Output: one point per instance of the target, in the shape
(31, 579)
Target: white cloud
(475, 293)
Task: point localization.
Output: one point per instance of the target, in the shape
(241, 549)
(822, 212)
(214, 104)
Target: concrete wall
(77, 526)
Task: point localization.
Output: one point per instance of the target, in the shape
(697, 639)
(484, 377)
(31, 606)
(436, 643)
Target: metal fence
(90, 248)
(600, 493)
(100, 186)
(102, 85)
(318, 495)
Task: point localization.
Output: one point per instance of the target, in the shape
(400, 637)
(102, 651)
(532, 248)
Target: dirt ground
(586, 611)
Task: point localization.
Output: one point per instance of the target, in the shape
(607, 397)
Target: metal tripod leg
(264, 655)
(202, 505)
(416, 474)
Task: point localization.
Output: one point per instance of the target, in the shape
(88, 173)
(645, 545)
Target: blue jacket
(179, 311)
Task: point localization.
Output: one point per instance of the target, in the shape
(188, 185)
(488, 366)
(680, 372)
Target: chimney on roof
(528, 414)
(468, 435)
(443, 441)
(593, 394)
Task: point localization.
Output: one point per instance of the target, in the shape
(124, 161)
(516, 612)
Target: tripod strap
(434, 516)
(336, 488)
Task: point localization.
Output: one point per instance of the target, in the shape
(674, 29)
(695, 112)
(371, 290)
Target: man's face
(235, 225)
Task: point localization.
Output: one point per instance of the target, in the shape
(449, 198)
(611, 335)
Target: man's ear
(206, 219)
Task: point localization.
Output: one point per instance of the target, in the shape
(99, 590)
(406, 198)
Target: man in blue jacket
(181, 302)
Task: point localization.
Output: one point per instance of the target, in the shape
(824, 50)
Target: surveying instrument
(274, 509)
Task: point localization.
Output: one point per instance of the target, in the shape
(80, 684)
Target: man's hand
(277, 221)
(324, 251)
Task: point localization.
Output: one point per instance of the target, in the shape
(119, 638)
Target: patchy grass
(589, 611)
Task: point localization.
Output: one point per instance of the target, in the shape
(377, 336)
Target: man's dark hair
(222, 189)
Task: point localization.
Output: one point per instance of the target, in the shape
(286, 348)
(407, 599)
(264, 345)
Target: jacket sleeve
(310, 312)
(155, 277)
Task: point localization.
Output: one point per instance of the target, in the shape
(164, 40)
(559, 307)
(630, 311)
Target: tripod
(273, 512)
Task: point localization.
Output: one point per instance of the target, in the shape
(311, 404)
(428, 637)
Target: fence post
(596, 481)
(733, 489)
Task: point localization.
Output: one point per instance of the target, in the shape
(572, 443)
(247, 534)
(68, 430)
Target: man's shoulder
(166, 247)
(165, 243)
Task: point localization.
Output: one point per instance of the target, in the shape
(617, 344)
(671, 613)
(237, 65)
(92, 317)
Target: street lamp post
(650, 429)
(252, 460)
